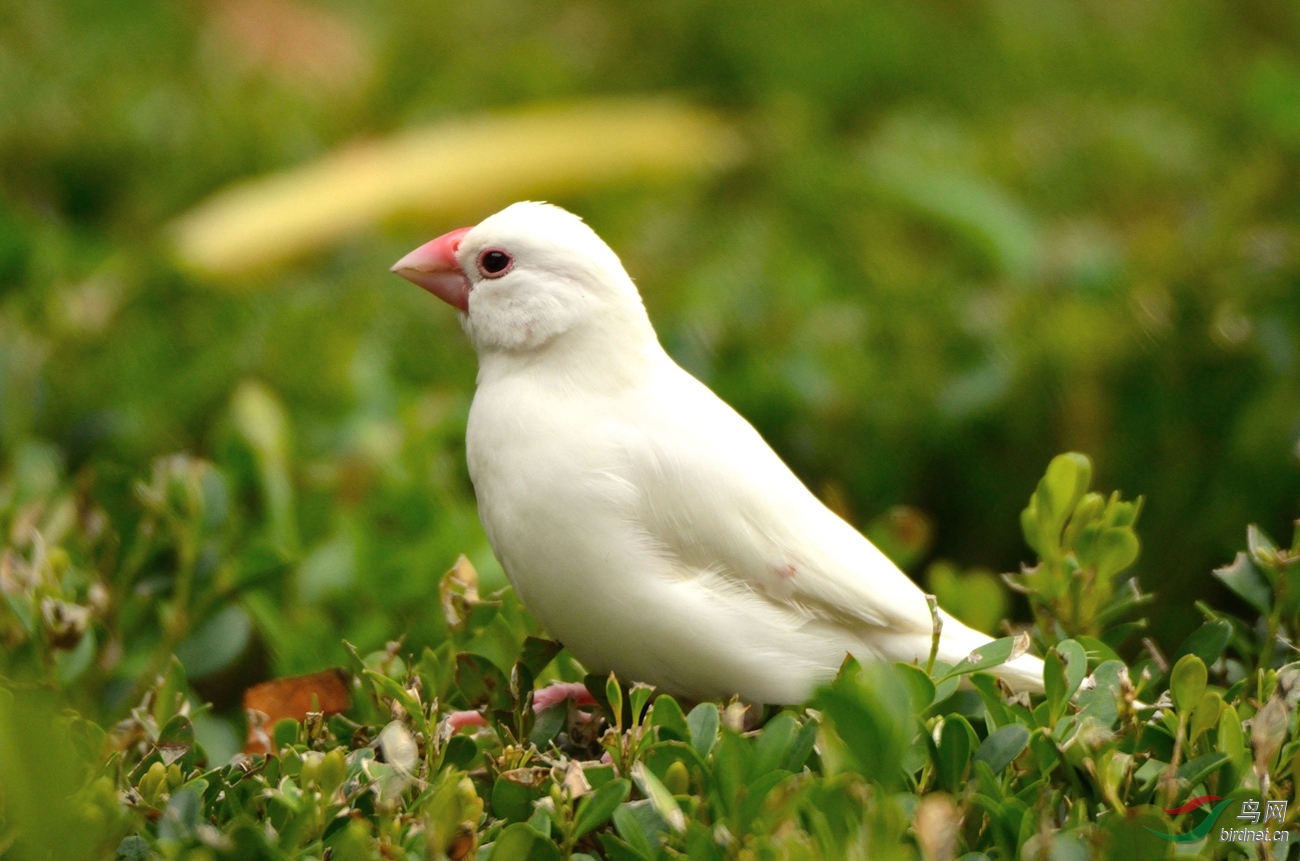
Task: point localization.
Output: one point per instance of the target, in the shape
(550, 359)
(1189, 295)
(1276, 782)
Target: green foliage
(887, 760)
(1083, 541)
(956, 244)
(958, 240)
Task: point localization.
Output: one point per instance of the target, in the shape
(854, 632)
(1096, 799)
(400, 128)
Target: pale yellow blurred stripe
(448, 169)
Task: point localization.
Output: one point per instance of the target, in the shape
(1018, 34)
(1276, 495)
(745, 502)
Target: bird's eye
(493, 263)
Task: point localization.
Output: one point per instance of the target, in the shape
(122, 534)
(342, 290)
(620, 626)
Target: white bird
(644, 523)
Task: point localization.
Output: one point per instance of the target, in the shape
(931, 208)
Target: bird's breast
(547, 495)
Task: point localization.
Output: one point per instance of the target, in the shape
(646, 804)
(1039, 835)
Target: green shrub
(887, 761)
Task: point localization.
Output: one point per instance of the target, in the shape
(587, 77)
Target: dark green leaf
(595, 808)
(1202, 767)
(460, 751)
(481, 682)
(1206, 642)
(956, 740)
(1249, 584)
(548, 724)
(537, 653)
(1002, 746)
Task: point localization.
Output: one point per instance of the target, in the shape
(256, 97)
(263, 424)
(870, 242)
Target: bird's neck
(603, 357)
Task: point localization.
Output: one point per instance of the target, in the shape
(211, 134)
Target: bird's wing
(714, 497)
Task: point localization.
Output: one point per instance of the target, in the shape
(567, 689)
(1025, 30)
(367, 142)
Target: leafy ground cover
(886, 761)
(947, 242)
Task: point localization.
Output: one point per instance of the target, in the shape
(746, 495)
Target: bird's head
(527, 277)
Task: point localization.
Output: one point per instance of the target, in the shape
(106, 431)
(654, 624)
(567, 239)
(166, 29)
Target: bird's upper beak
(434, 267)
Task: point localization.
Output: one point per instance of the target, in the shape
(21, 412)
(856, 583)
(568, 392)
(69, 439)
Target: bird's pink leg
(560, 691)
(459, 720)
(542, 700)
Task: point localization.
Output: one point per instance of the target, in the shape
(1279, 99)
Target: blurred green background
(957, 238)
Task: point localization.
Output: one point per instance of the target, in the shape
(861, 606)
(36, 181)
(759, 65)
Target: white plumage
(644, 522)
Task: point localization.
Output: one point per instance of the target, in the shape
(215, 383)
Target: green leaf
(179, 732)
(1116, 550)
(614, 696)
(537, 653)
(1197, 770)
(285, 733)
(133, 848)
(437, 670)
(1187, 682)
(1206, 642)
(1058, 492)
(1097, 651)
(540, 821)
(703, 722)
(1206, 715)
(1002, 746)
(774, 742)
(970, 204)
(1101, 703)
(992, 654)
(638, 697)
(871, 711)
(481, 682)
(666, 716)
(1247, 582)
(548, 725)
(1232, 737)
(514, 792)
(1076, 665)
(921, 685)
(171, 693)
(617, 849)
(181, 817)
(956, 740)
(756, 794)
(598, 775)
(991, 694)
(521, 842)
(393, 690)
(1261, 548)
(596, 807)
(629, 827)
(662, 800)
(1054, 684)
(798, 751)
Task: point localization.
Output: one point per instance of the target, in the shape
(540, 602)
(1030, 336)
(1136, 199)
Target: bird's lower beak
(434, 267)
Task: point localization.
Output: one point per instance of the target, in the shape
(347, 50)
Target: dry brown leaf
(294, 698)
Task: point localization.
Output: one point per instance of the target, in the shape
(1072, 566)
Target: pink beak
(434, 267)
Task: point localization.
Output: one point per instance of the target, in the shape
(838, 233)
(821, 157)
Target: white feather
(643, 521)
